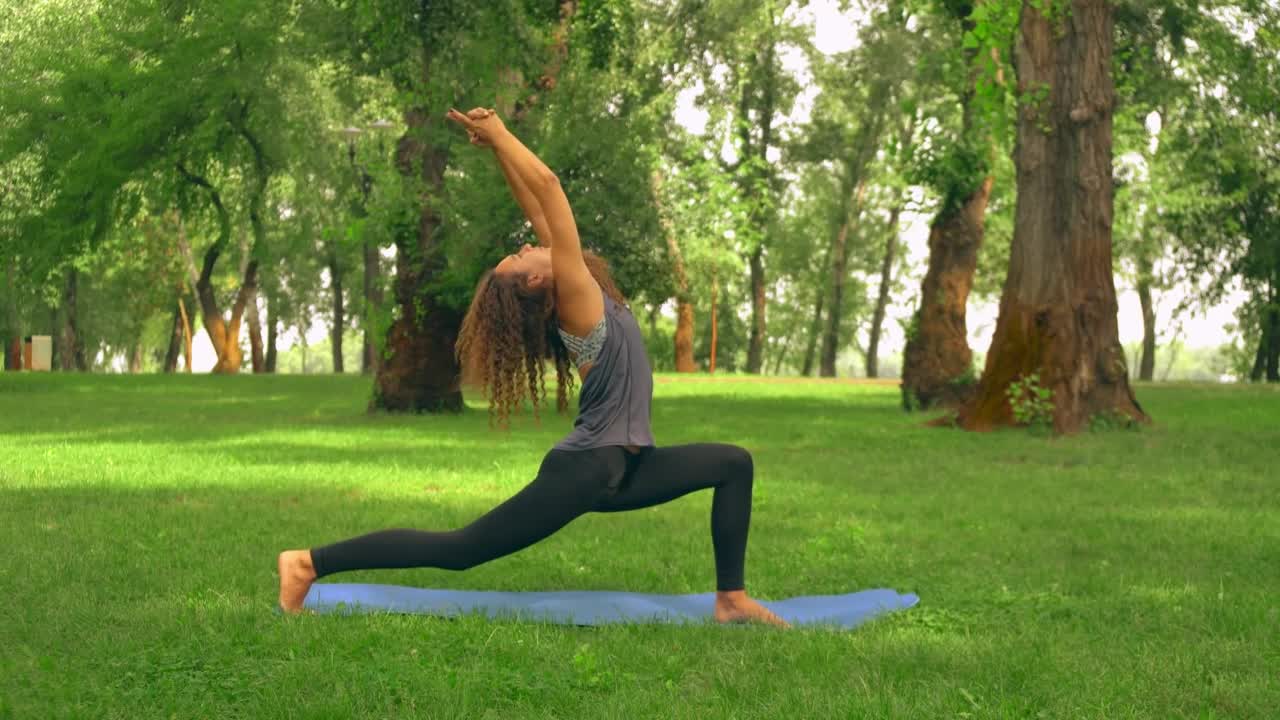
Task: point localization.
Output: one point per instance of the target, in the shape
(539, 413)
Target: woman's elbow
(548, 180)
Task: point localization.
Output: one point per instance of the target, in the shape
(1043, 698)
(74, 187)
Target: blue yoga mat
(595, 607)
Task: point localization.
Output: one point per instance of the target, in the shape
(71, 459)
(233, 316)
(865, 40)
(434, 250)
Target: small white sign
(41, 352)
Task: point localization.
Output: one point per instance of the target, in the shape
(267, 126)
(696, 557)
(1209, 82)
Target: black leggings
(569, 484)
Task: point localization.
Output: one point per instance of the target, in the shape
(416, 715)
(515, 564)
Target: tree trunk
(783, 350)
(839, 274)
(256, 354)
(56, 359)
(186, 334)
(715, 290)
(1272, 335)
(273, 329)
(684, 302)
(755, 348)
(938, 352)
(1058, 309)
(135, 358)
(339, 312)
(839, 267)
(815, 329)
(1147, 366)
(372, 301)
(223, 335)
(12, 343)
(420, 373)
(72, 351)
(882, 298)
(759, 192)
(175, 342)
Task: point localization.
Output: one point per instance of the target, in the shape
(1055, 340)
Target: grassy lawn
(1117, 575)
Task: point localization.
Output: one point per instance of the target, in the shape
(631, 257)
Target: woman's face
(534, 263)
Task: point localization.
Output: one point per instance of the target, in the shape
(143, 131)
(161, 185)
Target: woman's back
(617, 394)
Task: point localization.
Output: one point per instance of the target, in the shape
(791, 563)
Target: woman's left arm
(526, 200)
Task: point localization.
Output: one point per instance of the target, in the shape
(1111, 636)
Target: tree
(959, 164)
(1057, 324)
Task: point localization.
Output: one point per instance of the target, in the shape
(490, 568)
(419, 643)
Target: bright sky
(836, 31)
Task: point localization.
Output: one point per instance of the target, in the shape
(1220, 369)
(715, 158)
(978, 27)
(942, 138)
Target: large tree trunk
(684, 301)
(273, 332)
(372, 301)
(1058, 310)
(882, 297)
(1147, 366)
(755, 347)
(421, 372)
(938, 352)
(72, 350)
(339, 312)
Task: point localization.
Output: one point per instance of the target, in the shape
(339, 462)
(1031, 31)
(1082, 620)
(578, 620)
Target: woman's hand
(482, 125)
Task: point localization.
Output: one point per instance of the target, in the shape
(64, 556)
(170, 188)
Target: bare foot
(296, 575)
(736, 607)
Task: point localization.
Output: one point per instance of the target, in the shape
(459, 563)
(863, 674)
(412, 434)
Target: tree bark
(1058, 309)
(760, 182)
(72, 351)
(882, 297)
(420, 373)
(839, 274)
(815, 329)
(755, 347)
(186, 333)
(224, 335)
(839, 267)
(135, 358)
(252, 317)
(938, 352)
(339, 312)
(372, 301)
(684, 302)
(273, 330)
(13, 343)
(175, 342)
(1147, 366)
(715, 291)
(1272, 335)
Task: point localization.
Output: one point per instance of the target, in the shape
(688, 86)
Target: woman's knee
(738, 464)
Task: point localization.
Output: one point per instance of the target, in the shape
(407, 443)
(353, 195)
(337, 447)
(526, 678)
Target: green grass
(1117, 575)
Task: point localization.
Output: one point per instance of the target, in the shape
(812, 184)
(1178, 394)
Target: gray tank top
(614, 403)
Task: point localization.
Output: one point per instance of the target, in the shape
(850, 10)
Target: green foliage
(1032, 404)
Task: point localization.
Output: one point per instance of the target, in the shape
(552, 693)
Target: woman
(555, 302)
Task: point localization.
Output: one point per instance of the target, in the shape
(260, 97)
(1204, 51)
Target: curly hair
(509, 331)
